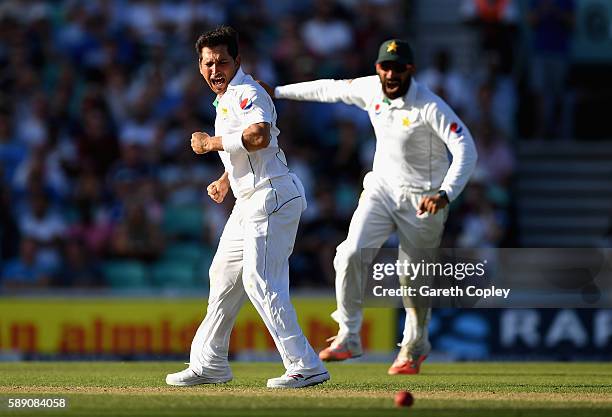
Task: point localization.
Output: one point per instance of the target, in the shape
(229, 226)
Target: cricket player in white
(252, 260)
(408, 190)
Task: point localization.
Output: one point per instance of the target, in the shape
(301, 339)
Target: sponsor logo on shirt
(246, 104)
(455, 128)
(377, 108)
(405, 121)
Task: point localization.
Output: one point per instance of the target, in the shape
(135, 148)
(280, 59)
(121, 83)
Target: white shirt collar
(236, 80)
(238, 77)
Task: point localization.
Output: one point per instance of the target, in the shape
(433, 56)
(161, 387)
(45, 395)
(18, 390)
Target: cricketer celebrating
(252, 259)
(408, 190)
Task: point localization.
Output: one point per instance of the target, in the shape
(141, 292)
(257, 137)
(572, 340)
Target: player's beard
(394, 88)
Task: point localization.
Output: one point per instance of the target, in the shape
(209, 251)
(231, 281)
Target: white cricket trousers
(252, 261)
(380, 212)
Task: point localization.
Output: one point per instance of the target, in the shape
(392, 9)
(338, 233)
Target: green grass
(356, 389)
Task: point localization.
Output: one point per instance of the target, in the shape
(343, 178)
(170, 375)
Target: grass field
(357, 389)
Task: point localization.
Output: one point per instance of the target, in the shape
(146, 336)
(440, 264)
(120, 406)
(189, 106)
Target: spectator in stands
(346, 159)
(33, 122)
(96, 142)
(12, 153)
(72, 37)
(325, 34)
(79, 269)
(131, 175)
(496, 99)
(482, 224)
(143, 17)
(93, 226)
(495, 158)
(141, 128)
(46, 227)
(26, 272)
(42, 166)
(552, 23)
(289, 47)
(137, 236)
(116, 91)
(496, 21)
(448, 83)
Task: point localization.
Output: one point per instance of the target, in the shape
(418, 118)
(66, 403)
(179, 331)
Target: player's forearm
(224, 177)
(461, 169)
(324, 91)
(256, 137)
(450, 129)
(215, 143)
(251, 139)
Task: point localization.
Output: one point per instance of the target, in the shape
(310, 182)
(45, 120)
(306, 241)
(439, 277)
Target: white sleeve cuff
(232, 143)
(277, 92)
(451, 196)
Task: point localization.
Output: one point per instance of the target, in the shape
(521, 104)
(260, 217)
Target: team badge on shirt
(246, 104)
(454, 127)
(405, 121)
(224, 112)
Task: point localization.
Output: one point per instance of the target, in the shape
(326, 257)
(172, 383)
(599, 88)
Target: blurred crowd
(99, 99)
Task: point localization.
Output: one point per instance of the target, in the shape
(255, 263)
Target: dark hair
(223, 35)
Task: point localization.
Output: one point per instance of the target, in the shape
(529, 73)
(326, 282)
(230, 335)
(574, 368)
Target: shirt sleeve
(357, 92)
(253, 106)
(458, 139)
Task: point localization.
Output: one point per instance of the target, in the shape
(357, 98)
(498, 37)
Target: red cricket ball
(403, 399)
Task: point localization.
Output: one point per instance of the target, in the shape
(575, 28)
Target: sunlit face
(218, 67)
(394, 78)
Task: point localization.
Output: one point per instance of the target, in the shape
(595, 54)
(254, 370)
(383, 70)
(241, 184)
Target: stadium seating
(173, 274)
(125, 274)
(185, 251)
(183, 221)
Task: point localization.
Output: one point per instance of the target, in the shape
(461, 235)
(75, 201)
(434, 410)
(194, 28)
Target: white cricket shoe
(297, 380)
(188, 377)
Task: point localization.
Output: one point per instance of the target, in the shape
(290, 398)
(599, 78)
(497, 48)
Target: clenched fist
(217, 190)
(200, 142)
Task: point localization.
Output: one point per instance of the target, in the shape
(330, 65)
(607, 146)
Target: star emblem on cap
(392, 47)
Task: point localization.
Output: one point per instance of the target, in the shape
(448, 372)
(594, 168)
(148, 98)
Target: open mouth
(392, 84)
(218, 82)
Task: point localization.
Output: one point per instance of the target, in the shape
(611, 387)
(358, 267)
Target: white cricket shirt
(414, 133)
(245, 103)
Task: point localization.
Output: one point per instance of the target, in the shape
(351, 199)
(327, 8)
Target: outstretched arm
(357, 92)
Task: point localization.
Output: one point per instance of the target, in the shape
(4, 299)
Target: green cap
(395, 50)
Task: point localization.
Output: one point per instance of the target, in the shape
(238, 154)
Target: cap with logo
(395, 50)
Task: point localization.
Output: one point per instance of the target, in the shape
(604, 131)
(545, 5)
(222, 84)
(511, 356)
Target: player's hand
(269, 89)
(431, 204)
(217, 190)
(200, 142)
